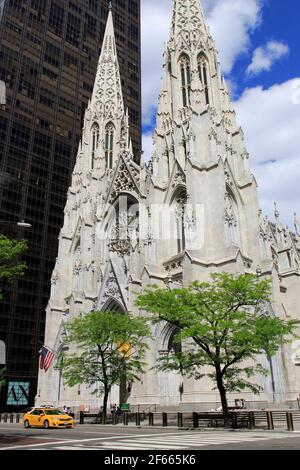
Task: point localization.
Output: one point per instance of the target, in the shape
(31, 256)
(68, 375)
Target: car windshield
(53, 412)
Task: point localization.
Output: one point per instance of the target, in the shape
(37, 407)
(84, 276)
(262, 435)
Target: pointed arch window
(185, 70)
(109, 145)
(204, 74)
(95, 142)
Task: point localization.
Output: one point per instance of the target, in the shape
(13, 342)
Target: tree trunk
(104, 411)
(222, 392)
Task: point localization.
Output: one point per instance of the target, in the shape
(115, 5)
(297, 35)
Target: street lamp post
(259, 274)
(21, 223)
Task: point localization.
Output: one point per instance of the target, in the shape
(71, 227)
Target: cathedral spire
(106, 124)
(107, 93)
(188, 19)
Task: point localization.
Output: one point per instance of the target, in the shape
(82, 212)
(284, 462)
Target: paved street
(93, 437)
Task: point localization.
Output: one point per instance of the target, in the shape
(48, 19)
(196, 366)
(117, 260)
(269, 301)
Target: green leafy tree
(110, 348)
(10, 264)
(221, 324)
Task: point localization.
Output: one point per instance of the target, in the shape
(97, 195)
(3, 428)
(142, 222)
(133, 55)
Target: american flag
(46, 357)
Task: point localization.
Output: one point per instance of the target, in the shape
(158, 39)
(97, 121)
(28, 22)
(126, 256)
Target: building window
(95, 142)
(203, 74)
(109, 145)
(185, 70)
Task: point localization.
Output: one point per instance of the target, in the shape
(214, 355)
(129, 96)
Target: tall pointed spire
(108, 89)
(187, 18)
(106, 124)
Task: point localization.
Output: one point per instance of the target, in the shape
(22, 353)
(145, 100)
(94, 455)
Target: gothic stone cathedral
(191, 211)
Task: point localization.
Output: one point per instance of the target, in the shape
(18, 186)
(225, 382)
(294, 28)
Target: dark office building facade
(49, 51)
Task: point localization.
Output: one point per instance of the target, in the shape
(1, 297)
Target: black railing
(262, 419)
(234, 419)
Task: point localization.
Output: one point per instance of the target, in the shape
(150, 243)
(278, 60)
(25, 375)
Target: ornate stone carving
(230, 216)
(180, 204)
(179, 178)
(77, 267)
(228, 177)
(112, 288)
(188, 21)
(123, 182)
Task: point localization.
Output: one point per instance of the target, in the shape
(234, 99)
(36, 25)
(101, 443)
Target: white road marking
(69, 441)
(173, 441)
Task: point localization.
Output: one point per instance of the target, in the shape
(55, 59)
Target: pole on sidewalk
(290, 423)
(234, 420)
(270, 421)
(251, 418)
(195, 420)
(180, 420)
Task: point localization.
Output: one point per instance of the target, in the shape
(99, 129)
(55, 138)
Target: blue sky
(259, 47)
(280, 22)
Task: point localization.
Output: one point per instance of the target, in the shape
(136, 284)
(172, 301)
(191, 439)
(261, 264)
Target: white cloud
(265, 56)
(147, 145)
(271, 121)
(231, 23)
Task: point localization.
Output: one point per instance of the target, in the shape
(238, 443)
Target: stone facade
(191, 211)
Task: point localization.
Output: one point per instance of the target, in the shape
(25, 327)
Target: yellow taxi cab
(47, 418)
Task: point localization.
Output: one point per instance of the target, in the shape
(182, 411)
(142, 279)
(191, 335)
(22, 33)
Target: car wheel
(46, 424)
(26, 424)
